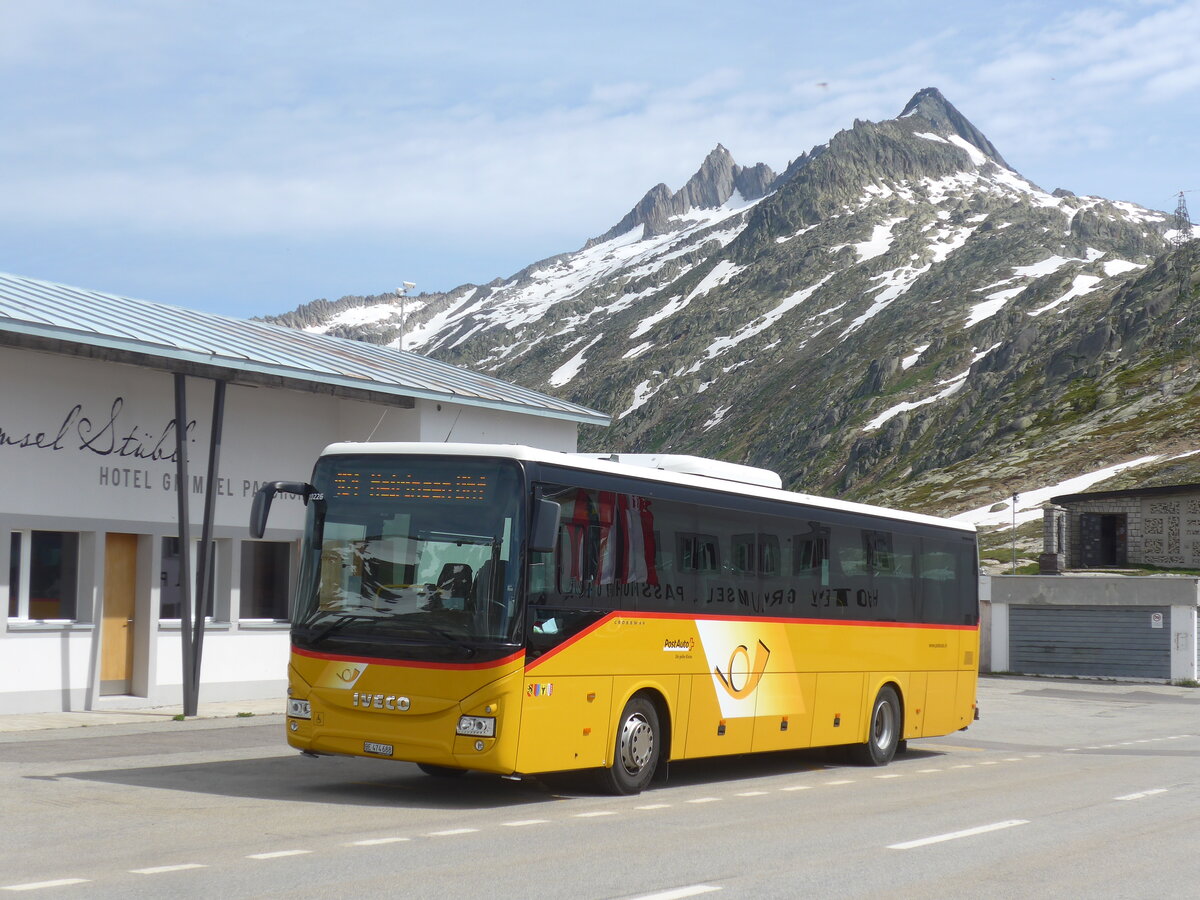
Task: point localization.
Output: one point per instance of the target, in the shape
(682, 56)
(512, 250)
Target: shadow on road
(380, 783)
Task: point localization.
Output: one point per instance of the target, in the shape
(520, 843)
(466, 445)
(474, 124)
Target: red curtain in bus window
(577, 529)
(611, 539)
(638, 523)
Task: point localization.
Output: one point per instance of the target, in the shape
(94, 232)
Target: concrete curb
(163, 715)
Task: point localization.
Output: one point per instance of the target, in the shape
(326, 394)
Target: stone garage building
(1157, 526)
(90, 555)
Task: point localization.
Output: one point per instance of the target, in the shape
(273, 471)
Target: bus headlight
(477, 726)
(299, 709)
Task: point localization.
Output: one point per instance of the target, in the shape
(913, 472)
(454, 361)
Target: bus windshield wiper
(339, 622)
(444, 635)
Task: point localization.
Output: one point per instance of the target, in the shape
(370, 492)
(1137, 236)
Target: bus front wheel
(883, 736)
(636, 750)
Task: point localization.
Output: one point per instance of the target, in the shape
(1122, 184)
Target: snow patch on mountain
(1083, 284)
(568, 370)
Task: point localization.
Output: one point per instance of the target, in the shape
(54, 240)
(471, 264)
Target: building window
(14, 576)
(43, 575)
(266, 569)
(170, 604)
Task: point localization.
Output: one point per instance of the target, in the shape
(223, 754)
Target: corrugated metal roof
(86, 318)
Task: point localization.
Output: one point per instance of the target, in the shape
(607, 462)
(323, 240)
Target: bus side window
(810, 555)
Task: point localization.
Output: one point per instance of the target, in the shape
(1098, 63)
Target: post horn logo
(733, 682)
(348, 674)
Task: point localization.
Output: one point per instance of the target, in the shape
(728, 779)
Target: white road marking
(593, 815)
(705, 800)
(751, 793)
(159, 870)
(693, 890)
(375, 842)
(955, 835)
(1140, 794)
(451, 832)
(798, 787)
(38, 885)
(523, 822)
(840, 781)
(278, 854)
(927, 771)
(654, 806)
(891, 775)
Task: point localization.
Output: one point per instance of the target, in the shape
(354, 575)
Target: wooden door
(120, 601)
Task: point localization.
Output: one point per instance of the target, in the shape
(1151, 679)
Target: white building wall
(86, 447)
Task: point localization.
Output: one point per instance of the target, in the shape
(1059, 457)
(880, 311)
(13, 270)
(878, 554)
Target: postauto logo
(740, 678)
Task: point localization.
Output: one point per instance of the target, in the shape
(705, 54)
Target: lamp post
(401, 293)
(1015, 498)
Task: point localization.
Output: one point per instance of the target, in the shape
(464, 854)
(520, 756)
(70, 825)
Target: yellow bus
(517, 611)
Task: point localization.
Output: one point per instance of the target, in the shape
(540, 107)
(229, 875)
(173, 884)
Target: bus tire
(883, 735)
(440, 771)
(636, 749)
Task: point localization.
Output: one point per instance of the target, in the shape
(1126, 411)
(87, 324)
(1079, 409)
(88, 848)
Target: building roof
(56, 318)
(1159, 491)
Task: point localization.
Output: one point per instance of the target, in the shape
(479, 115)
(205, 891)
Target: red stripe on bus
(372, 660)
(784, 620)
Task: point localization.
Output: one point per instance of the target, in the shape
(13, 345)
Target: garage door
(1112, 641)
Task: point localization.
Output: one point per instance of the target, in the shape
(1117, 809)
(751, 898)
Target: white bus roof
(684, 470)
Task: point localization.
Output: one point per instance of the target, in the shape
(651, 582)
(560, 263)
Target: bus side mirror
(261, 507)
(545, 526)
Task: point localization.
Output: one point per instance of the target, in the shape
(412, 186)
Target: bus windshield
(410, 557)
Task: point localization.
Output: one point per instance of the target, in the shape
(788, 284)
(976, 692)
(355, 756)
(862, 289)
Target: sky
(247, 157)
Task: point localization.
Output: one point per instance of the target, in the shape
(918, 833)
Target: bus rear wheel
(883, 737)
(636, 750)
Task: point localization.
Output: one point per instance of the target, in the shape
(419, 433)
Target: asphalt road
(1061, 789)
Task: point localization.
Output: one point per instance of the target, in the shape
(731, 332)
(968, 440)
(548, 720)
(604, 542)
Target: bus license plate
(377, 749)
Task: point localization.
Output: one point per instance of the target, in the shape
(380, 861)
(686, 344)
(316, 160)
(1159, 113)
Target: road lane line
(278, 854)
(751, 793)
(451, 832)
(654, 806)
(523, 822)
(1140, 794)
(159, 870)
(375, 842)
(705, 800)
(839, 781)
(891, 775)
(594, 815)
(955, 835)
(38, 885)
(693, 890)
(798, 787)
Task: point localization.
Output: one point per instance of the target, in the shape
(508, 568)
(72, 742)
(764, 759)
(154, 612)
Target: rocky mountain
(898, 317)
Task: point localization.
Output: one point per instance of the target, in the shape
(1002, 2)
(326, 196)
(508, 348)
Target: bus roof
(727, 482)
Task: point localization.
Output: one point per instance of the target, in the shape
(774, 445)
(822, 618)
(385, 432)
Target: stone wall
(1171, 531)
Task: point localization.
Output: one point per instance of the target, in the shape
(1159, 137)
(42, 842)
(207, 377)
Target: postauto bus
(516, 611)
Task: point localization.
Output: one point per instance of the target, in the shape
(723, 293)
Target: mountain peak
(709, 187)
(929, 104)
